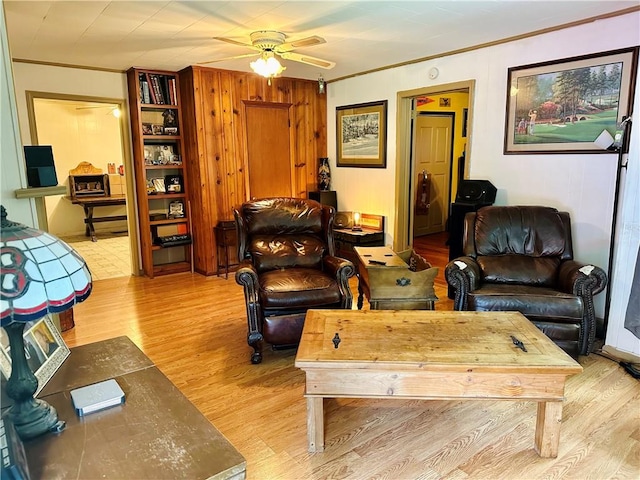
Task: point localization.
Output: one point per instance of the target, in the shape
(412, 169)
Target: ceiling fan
(269, 43)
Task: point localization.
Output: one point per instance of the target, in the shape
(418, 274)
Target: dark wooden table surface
(157, 433)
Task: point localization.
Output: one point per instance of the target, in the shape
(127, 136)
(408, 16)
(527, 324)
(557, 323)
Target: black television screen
(41, 171)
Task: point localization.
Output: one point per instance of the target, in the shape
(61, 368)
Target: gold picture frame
(361, 135)
(573, 105)
(44, 348)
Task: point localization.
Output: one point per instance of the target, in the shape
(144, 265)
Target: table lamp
(40, 275)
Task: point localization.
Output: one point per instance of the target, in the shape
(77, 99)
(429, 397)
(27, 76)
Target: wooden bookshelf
(161, 186)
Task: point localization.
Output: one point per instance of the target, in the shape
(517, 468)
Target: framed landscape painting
(574, 105)
(361, 132)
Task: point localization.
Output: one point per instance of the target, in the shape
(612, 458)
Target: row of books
(158, 89)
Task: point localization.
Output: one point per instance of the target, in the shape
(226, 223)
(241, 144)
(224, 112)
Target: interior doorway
(432, 149)
(94, 130)
(440, 98)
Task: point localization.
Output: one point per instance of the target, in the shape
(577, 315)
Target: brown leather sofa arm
(463, 280)
(247, 276)
(581, 278)
(342, 270)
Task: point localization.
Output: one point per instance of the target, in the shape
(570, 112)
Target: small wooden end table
(388, 283)
(226, 238)
(430, 355)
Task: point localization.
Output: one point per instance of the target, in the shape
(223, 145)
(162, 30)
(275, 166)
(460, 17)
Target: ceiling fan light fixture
(267, 65)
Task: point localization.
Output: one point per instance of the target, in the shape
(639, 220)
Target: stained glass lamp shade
(40, 274)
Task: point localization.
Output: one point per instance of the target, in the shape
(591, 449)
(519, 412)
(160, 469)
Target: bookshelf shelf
(156, 127)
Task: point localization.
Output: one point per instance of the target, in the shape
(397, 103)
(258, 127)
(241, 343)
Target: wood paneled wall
(215, 143)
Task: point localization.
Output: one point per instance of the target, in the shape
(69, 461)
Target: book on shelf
(155, 83)
(145, 95)
(172, 91)
(158, 89)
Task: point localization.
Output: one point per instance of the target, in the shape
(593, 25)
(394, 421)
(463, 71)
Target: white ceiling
(360, 35)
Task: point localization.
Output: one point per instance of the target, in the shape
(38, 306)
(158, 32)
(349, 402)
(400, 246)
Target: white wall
(581, 184)
(12, 173)
(72, 81)
(79, 135)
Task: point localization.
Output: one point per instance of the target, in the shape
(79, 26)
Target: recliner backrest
(518, 244)
(284, 232)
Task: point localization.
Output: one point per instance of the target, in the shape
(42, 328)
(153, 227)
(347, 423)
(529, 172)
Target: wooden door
(432, 154)
(269, 165)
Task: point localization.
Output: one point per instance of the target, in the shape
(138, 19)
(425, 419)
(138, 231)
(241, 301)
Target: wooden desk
(158, 433)
(432, 355)
(89, 203)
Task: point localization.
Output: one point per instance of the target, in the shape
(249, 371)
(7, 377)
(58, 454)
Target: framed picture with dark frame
(44, 348)
(361, 135)
(176, 209)
(573, 105)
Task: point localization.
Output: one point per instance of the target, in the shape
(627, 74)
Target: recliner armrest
(581, 278)
(336, 265)
(247, 276)
(584, 280)
(342, 270)
(463, 274)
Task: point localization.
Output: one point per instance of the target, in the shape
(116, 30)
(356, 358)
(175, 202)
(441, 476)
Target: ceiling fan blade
(316, 62)
(229, 58)
(235, 42)
(300, 43)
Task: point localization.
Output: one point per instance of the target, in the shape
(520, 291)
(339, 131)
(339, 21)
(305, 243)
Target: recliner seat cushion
(535, 303)
(285, 251)
(520, 269)
(312, 288)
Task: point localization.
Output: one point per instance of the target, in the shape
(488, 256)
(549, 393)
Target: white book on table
(97, 396)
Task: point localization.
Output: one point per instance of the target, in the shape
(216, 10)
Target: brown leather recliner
(520, 258)
(287, 266)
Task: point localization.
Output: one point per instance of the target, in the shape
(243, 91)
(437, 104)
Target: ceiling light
(267, 65)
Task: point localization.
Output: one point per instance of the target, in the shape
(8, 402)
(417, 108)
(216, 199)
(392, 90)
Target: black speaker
(41, 170)
(476, 191)
(325, 197)
(42, 177)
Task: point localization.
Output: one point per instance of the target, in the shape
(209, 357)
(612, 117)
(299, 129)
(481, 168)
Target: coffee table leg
(315, 424)
(548, 428)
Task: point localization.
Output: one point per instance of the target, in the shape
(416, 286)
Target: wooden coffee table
(432, 355)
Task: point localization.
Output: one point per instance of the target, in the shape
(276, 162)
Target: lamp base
(30, 416)
(35, 417)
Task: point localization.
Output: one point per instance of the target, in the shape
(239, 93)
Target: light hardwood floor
(194, 329)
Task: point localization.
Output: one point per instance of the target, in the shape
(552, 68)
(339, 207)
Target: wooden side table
(226, 238)
(388, 283)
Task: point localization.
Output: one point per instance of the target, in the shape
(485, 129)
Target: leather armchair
(520, 258)
(287, 266)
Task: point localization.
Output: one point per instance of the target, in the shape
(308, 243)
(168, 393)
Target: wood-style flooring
(194, 329)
